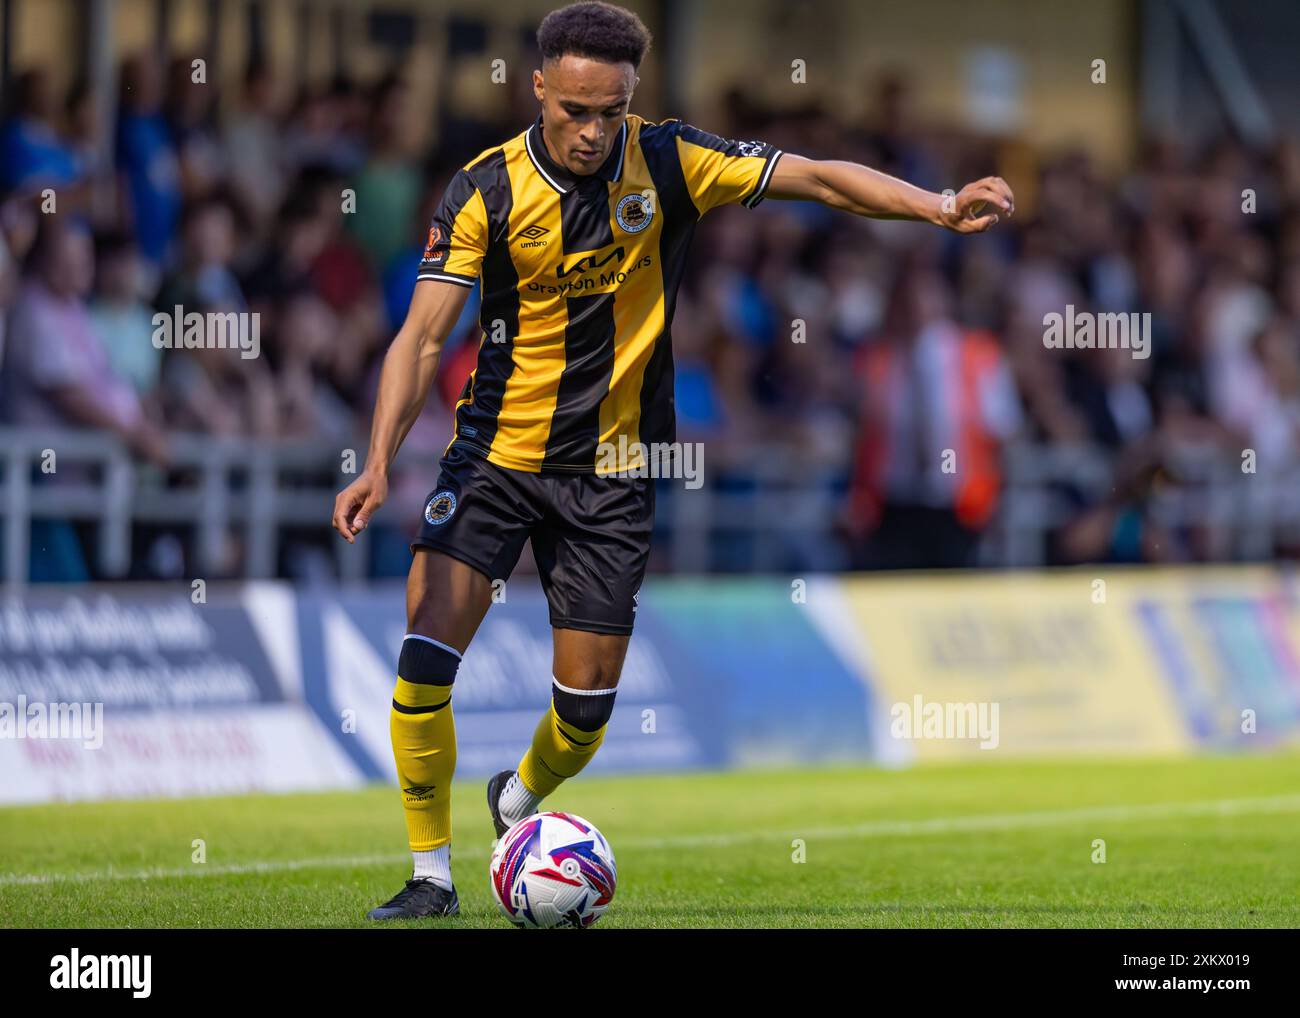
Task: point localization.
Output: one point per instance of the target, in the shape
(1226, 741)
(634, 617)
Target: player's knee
(585, 662)
(445, 597)
(587, 710)
(427, 662)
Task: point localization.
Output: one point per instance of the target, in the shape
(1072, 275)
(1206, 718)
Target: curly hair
(595, 30)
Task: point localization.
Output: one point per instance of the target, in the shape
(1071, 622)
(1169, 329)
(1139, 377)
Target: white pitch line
(204, 870)
(1005, 821)
(871, 829)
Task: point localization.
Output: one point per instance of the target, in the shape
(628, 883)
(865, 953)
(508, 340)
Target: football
(553, 869)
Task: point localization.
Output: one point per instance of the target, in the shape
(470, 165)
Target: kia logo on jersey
(587, 262)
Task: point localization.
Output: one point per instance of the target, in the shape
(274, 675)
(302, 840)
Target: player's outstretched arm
(408, 372)
(852, 187)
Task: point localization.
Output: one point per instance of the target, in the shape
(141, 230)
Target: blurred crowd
(214, 207)
(896, 365)
(929, 345)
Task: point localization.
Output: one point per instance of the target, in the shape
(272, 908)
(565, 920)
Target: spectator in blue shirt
(146, 158)
(31, 152)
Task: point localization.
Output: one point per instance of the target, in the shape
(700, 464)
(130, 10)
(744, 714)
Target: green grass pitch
(1202, 842)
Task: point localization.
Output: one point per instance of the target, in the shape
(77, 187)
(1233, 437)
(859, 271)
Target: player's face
(584, 103)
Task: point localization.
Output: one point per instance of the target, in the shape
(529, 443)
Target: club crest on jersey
(440, 508)
(633, 213)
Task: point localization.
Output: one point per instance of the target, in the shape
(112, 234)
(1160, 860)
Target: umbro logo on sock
(419, 791)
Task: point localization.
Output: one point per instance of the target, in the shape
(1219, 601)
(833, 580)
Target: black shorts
(590, 534)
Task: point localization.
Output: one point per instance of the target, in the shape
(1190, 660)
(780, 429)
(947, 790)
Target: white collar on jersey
(557, 176)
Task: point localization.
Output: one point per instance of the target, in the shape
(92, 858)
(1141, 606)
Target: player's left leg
(591, 550)
(573, 727)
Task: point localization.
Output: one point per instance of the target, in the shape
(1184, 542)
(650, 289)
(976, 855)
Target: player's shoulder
(651, 133)
(676, 135)
(673, 129)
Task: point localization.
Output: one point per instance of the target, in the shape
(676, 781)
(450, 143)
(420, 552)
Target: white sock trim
(433, 865)
(436, 643)
(583, 692)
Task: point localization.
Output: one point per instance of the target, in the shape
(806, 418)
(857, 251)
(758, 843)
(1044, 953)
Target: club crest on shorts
(633, 212)
(440, 508)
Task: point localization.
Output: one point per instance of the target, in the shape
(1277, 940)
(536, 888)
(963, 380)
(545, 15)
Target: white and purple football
(553, 869)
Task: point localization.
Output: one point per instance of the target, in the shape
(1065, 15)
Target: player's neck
(552, 153)
(551, 150)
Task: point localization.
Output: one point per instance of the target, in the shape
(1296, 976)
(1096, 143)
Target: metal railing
(1246, 514)
(771, 511)
(215, 486)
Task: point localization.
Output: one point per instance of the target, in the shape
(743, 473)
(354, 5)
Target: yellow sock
(559, 751)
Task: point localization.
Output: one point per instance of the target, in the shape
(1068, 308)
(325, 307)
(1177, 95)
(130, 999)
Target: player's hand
(977, 206)
(357, 503)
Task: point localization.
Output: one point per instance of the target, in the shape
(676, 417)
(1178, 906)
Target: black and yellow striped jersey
(579, 278)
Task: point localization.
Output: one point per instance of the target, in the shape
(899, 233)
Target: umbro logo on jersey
(533, 236)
